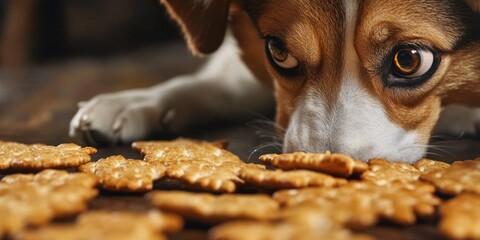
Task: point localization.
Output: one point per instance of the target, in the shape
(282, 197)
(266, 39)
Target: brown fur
(313, 32)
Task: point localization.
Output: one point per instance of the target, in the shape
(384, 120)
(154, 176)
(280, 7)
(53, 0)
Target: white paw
(458, 121)
(118, 117)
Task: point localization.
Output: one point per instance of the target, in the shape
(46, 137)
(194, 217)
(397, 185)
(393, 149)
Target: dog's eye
(411, 65)
(409, 62)
(279, 55)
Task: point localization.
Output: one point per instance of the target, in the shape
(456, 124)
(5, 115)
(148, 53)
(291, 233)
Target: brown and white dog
(361, 77)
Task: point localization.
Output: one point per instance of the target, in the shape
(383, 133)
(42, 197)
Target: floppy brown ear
(203, 22)
(474, 4)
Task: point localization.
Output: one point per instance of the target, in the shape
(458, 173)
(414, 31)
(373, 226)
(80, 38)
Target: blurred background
(55, 53)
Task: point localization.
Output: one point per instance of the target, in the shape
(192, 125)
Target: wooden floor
(37, 108)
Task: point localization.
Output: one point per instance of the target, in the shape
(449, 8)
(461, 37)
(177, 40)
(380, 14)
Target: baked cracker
(460, 217)
(116, 173)
(367, 202)
(22, 157)
(209, 208)
(332, 163)
(280, 179)
(383, 172)
(460, 177)
(109, 225)
(28, 199)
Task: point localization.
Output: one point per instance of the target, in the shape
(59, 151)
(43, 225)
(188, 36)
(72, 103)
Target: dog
(366, 78)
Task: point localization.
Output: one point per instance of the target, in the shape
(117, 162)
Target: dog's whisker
(262, 146)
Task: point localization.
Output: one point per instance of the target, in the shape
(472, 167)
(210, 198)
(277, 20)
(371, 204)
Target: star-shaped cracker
(206, 207)
(116, 173)
(362, 204)
(28, 199)
(461, 176)
(332, 163)
(460, 217)
(200, 164)
(280, 179)
(110, 225)
(383, 172)
(22, 157)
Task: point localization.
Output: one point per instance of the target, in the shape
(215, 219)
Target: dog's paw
(118, 117)
(458, 121)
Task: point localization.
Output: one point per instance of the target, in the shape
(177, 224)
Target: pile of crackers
(289, 196)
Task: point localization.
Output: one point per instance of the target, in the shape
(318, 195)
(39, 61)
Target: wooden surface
(37, 106)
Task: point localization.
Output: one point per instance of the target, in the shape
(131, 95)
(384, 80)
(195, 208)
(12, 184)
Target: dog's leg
(223, 89)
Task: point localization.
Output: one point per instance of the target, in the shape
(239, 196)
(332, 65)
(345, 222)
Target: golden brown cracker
(427, 165)
(460, 217)
(109, 225)
(331, 163)
(22, 157)
(461, 176)
(200, 164)
(287, 179)
(116, 173)
(209, 208)
(382, 172)
(251, 230)
(28, 199)
(362, 204)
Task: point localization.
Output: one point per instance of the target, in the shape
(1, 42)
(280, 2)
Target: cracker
(461, 176)
(28, 199)
(383, 172)
(460, 217)
(367, 202)
(21, 157)
(209, 208)
(427, 165)
(287, 179)
(250, 230)
(200, 164)
(109, 225)
(331, 163)
(116, 173)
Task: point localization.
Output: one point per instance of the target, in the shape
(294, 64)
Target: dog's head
(361, 77)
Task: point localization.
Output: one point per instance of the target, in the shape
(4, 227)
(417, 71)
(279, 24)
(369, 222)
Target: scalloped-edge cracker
(383, 172)
(460, 177)
(28, 199)
(116, 173)
(280, 179)
(362, 204)
(460, 217)
(426, 165)
(200, 164)
(108, 225)
(209, 208)
(35, 157)
(332, 163)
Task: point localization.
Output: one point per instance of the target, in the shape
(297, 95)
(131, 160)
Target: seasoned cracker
(460, 177)
(427, 165)
(331, 163)
(383, 172)
(460, 217)
(209, 208)
(200, 164)
(251, 230)
(28, 199)
(116, 173)
(362, 204)
(287, 179)
(21, 157)
(109, 225)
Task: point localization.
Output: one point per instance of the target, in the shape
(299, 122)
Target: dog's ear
(474, 4)
(203, 22)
